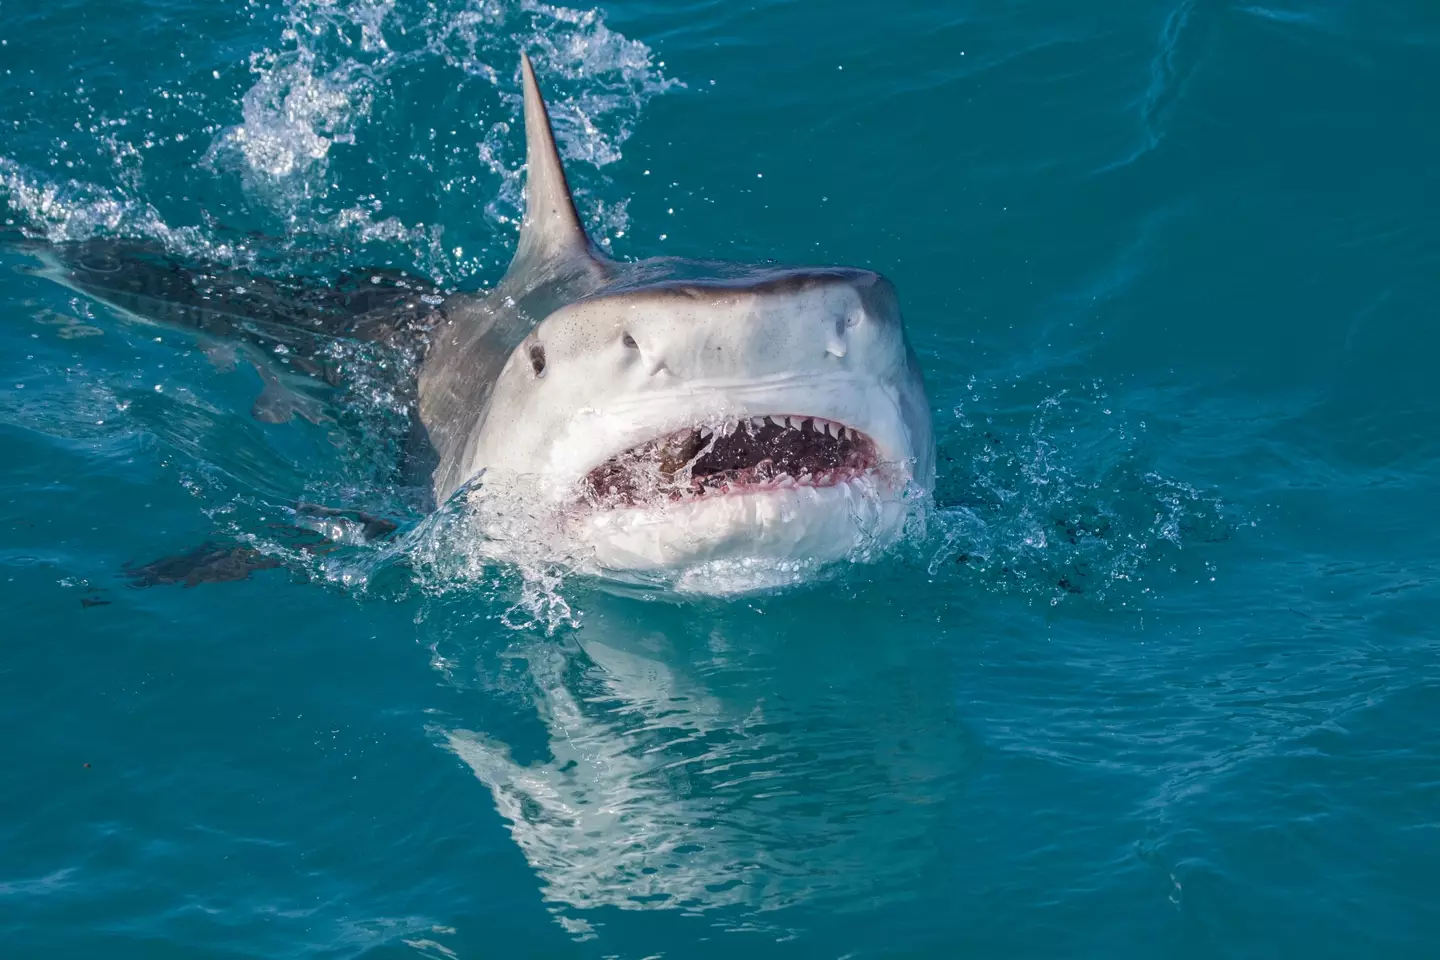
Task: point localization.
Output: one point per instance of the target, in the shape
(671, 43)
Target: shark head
(780, 416)
(679, 413)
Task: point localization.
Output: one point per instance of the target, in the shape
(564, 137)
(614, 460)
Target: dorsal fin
(551, 232)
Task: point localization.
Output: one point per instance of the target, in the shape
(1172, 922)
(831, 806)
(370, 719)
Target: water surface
(1157, 678)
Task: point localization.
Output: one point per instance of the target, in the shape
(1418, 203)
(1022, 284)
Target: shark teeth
(815, 425)
(808, 425)
(733, 454)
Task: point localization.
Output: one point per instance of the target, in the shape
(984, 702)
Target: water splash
(374, 128)
(61, 211)
(339, 65)
(291, 119)
(1055, 499)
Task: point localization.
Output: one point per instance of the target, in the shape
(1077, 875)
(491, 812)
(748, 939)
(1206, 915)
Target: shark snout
(687, 353)
(708, 335)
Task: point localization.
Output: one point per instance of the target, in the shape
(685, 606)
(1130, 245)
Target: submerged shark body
(690, 765)
(660, 414)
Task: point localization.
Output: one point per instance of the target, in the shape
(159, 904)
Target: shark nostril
(629, 341)
(537, 360)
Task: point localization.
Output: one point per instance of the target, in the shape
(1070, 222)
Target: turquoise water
(1159, 677)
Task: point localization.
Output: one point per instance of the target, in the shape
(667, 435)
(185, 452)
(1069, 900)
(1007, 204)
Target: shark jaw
(747, 539)
(733, 458)
(742, 503)
(726, 506)
(710, 485)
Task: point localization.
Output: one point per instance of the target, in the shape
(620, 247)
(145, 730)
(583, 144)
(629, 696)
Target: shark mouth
(739, 456)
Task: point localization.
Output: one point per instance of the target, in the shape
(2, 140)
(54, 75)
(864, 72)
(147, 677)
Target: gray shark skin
(667, 411)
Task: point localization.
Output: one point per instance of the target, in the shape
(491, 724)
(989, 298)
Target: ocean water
(1159, 677)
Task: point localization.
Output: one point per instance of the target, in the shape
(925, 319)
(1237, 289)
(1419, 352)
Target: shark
(659, 414)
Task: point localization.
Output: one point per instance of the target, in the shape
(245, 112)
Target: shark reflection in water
(696, 763)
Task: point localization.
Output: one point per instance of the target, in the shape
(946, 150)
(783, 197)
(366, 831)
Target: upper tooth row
(794, 423)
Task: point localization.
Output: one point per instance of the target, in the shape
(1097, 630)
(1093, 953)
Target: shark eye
(537, 359)
(629, 341)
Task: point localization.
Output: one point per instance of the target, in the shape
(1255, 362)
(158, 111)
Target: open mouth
(738, 456)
